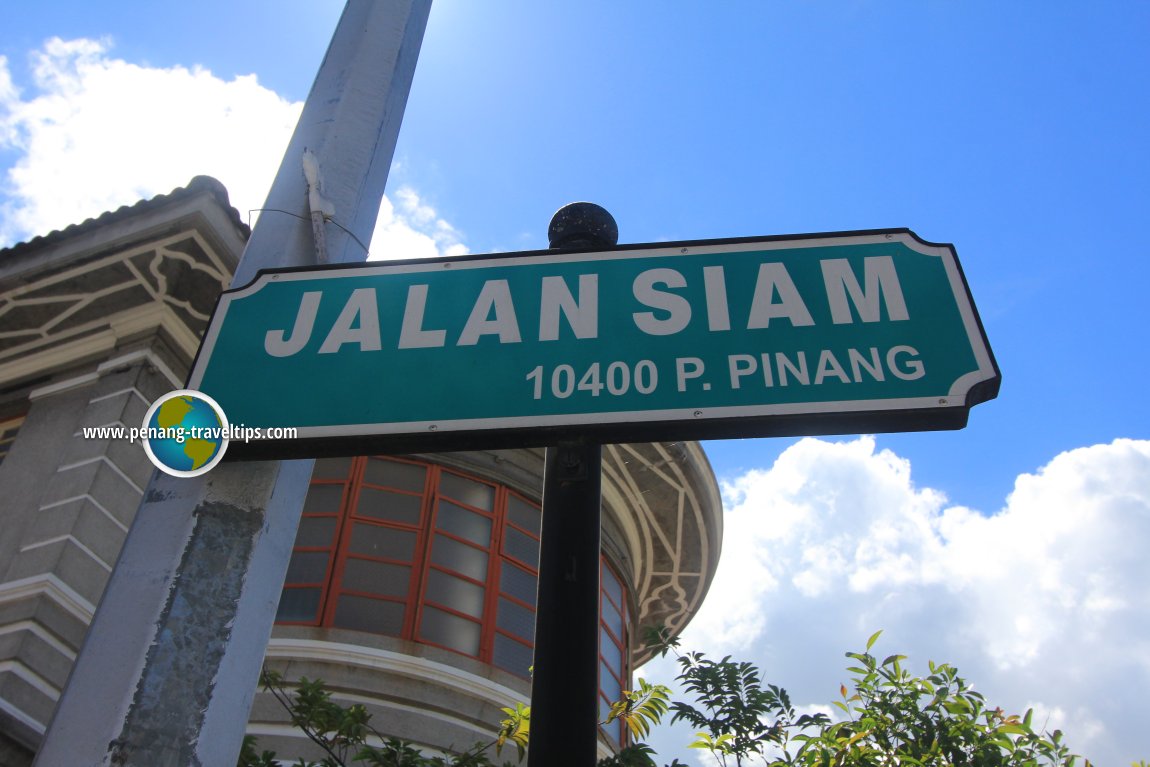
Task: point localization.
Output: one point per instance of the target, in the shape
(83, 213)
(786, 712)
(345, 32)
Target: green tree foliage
(642, 708)
(894, 717)
(887, 717)
(737, 717)
(343, 733)
(515, 728)
(890, 717)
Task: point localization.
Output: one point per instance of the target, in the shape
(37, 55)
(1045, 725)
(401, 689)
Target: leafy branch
(342, 733)
(888, 717)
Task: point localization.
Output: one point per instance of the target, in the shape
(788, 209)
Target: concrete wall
(66, 506)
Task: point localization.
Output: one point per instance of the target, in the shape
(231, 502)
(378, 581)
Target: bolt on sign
(810, 334)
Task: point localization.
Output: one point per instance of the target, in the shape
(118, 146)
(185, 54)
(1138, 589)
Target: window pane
(612, 585)
(523, 514)
(450, 631)
(516, 619)
(315, 532)
(455, 593)
(610, 652)
(298, 605)
(376, 577)
(323, 499)
(512, 656)
(521, 546)
(611, 617)
(382, 542)
(466, 491)
(608, 684)
(463, 523)
(382, 504)
(517, 582)
(404, 476)
(331, 468)
(307, 567)
(373, 615)
(460, 557)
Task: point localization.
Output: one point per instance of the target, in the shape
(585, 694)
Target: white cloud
(8, 95)
(412, 229)
(98, 132)
(1042, 604)
(94, 132)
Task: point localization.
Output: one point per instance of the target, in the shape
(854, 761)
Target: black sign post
(565, 680)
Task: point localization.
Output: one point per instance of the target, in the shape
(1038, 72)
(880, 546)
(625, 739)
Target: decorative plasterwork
(86, 309)
(664, 498)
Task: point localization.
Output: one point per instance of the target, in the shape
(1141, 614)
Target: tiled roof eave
(198, 185)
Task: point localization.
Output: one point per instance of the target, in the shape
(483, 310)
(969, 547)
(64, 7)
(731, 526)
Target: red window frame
(614, 647)
(507, 603)
(430, 530)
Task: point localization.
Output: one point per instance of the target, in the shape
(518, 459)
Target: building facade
(411, 588)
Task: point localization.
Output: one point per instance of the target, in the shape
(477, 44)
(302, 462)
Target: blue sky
(1016, 131)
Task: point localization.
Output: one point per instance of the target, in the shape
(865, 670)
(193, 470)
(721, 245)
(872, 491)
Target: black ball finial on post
(582, 225)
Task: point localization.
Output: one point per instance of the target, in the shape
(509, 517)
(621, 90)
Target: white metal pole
(170, 663)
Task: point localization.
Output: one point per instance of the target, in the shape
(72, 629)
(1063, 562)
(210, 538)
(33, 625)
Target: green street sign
(810, 334)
